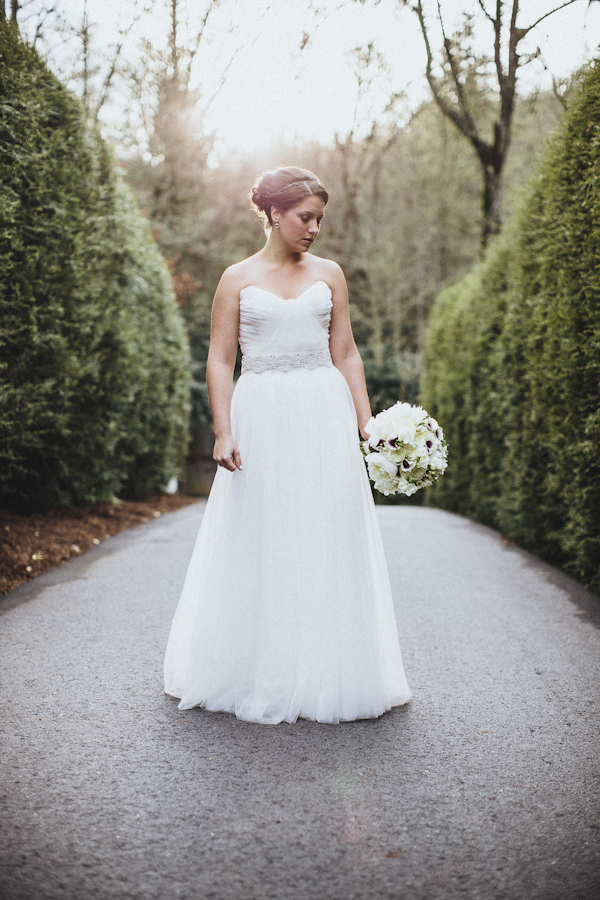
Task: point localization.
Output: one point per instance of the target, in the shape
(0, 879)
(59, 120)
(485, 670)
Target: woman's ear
(275, 216)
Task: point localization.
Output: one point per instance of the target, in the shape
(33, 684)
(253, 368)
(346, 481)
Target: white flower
(407, 431)
(428, 443)
(382, 472)
(407, 464)
(400, 410)
(420, 470)
(417, 414)
(403, 485)
(421, 448)
(438, 459)
(411, 489)
(381, 428)
(404, 426)
(406, 487)
(394, 454)
(408, 449)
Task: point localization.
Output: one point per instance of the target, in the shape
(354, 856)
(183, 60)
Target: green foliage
(94, 372)
(512, 361)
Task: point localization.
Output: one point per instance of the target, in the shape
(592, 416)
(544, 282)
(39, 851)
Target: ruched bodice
(272, 325)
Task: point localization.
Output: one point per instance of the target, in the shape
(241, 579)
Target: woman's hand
(227, 453)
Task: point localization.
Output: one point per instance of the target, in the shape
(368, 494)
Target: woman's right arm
(224, 329)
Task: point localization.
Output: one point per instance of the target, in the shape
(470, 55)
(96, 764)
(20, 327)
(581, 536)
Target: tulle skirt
(287, 610)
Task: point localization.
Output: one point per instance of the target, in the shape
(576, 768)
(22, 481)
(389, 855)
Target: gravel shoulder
(32, 544)
(486, 785)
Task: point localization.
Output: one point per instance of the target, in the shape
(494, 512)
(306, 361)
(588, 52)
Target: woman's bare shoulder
(236, 276)
(330, 272)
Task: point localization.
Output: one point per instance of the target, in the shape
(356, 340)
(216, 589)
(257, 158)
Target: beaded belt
(284, 362)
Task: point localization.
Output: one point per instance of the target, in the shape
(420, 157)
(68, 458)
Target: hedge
(512, 361)
(94, 362)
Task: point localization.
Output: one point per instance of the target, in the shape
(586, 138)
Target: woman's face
(300, 225)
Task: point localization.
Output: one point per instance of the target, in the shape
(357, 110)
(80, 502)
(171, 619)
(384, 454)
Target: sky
(275, 91)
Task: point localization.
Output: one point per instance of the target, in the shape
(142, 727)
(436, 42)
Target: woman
(286, 610)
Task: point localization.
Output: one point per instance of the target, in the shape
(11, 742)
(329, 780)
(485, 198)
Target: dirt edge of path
(32, 544)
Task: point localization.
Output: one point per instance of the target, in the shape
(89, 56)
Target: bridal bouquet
(405, 451)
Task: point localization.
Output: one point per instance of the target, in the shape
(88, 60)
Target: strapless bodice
(270, 325)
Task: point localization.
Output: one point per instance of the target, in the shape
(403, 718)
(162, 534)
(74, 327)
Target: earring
(276, 226)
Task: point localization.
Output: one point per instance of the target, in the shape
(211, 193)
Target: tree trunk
(492, 187)
(491, 155)
(14, 8)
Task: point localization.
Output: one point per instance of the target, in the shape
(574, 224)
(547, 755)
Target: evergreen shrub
(94, 361)
(512, 361)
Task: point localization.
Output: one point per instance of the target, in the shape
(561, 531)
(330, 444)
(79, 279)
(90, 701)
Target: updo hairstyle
(283, 188)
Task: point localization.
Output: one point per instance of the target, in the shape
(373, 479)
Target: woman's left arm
(344, 351)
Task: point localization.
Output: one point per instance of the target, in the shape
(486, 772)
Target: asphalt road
(484, 786)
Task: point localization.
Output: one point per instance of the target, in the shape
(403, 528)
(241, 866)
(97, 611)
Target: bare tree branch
(515, 35)
(550, 13)
(209, 9)
(470, 124)
(461, 117)
(492, 154)
(224, 74)
(42, 16)
(485, 12)
(454, 68)
(106, 84)
(432, 81)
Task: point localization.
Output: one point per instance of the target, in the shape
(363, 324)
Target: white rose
(406, 429)
(382, 473)
(380, 428)
(421, 462)
(420, 470)
(394, 454)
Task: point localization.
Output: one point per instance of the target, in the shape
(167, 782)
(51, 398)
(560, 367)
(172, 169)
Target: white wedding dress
(286, 610)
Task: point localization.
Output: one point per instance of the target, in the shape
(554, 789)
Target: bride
(287, 610)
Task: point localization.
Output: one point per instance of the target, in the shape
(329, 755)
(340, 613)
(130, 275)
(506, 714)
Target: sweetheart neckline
(286, 299)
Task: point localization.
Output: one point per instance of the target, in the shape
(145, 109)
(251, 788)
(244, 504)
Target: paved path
(484, 786)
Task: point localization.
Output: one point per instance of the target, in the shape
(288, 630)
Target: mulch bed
(32, 544)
